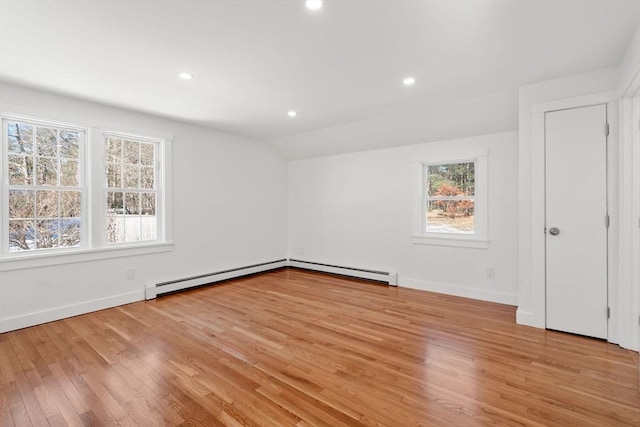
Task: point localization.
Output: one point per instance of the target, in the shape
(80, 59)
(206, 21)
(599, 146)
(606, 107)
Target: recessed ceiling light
(185, 76)
(292, 113)
(409, 81)
(313, 4)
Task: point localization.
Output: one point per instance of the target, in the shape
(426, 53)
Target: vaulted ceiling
(340, 68)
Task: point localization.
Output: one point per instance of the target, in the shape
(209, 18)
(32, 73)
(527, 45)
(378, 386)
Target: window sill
(452, 241)
(23, 261)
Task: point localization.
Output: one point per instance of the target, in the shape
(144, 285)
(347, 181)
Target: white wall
(355, 210)
(229, 210)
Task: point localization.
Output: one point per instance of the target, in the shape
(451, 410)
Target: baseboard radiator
(390, 278)
(154, 290)
(151, 291)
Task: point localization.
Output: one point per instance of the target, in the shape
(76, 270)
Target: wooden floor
(298, 348)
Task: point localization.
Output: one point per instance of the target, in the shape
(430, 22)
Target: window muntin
(46, 189)
(449, 199)
(131, 189)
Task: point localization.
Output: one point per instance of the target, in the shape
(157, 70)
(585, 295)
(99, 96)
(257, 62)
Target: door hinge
(608, 312)
(607, 221)
(606, 129)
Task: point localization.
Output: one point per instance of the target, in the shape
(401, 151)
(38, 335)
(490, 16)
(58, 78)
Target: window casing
(450, 194)
(63, 190)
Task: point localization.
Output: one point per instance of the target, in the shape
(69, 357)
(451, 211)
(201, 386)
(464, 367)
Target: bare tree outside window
(49, 180)
(45, 194)
(131, 189)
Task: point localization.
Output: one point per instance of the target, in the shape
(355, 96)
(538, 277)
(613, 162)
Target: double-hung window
(68, 189)
(451, 200)
(131, 189)
(46, 191)
(449, 197)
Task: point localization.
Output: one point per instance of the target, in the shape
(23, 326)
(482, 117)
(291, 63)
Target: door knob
(554, 231)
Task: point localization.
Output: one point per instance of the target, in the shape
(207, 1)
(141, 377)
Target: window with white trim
(71, 189)
(449, 197)
(131, 189)
(451, 202)
(46, 189)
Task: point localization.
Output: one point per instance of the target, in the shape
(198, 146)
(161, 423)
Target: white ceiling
(339, 68)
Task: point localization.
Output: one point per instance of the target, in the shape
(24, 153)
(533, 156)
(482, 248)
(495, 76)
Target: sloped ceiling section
(424, 121)
(340, 68)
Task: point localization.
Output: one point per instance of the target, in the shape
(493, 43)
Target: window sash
(450, 198)
(426, 198)
(426, 173)
(35, 187)
(105, 189)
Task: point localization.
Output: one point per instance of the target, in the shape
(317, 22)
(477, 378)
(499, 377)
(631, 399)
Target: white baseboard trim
(527, 318)
(152, 291)
(459, 291)
(391, 278)
(44, 316)
(524, 317)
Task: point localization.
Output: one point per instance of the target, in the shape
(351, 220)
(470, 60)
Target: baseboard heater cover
(153, 290)
(390, 278)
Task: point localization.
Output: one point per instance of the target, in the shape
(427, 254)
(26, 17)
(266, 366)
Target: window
(130, 189)
(46, 190)
(449, 198)
(68, 189)
(451, 205)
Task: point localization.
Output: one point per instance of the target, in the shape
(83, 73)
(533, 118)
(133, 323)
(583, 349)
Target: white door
(576, 220)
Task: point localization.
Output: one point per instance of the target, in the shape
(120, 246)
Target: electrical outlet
(491, 273)
(131, 274)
